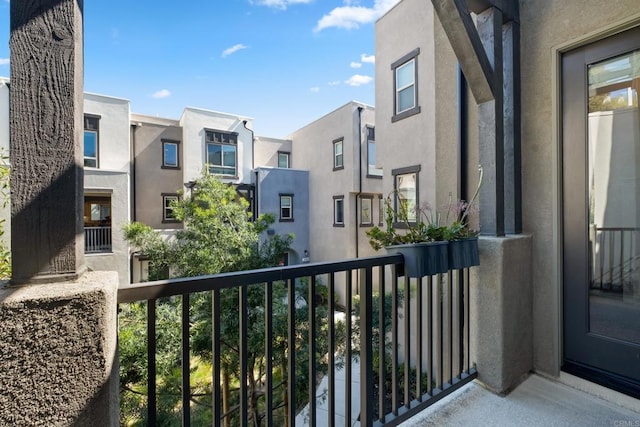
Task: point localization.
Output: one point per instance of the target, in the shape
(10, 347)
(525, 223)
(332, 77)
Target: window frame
(91, 124)
(165, 207)
(395, 173)
(233, 142)
(366, 199)
(380, 210)
(175, 143)
(288, 157)
(338, 142)
(338, 200)
(395, 67)
(284, 218)
(372, 170)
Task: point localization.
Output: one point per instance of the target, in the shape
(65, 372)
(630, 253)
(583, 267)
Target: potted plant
(432, 243)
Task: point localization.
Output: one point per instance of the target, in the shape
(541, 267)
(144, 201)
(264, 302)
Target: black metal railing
(407, 339)
(615, 257)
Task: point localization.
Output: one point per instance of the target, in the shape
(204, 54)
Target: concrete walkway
(536, 402)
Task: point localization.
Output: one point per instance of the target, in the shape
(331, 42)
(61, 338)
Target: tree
(218, 236)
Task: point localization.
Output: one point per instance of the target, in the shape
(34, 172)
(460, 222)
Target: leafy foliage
(5, 251)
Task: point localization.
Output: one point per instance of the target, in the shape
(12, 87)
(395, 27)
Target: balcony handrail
(440, 353)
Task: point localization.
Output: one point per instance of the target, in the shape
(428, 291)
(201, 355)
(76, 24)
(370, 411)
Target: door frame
(557, 169)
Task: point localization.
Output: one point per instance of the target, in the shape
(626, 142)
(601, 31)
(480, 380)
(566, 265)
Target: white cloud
(279, 4)
(370, 59)
(163, 93)
(356, 64)
(233, 49)
(315, 89)
(351, 17)
(334, 83)
(359, 80)
(4, 61)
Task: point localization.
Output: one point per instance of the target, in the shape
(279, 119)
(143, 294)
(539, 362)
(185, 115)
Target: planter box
(463, 253)
(423, 259)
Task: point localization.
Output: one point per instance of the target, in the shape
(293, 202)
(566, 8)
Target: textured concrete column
(45, 116)
(58, 359)
(501, 312)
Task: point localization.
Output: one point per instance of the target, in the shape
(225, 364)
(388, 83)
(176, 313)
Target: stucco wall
(266, 151)
(271, 182)
(151, 179)
(194, 122)
(113, 134)
(547, 25)
(313, 151)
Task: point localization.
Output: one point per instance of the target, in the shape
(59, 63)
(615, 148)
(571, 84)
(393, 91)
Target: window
(338, 156)
(338, 211)
(366, 216)
(170, 154)
(222, 153)
(91, 126)
(405, 185)
(167, 208)
(284, 159)
(380, 210)
(97, 223)
(405, 77)
(372, 170)
(286, 207)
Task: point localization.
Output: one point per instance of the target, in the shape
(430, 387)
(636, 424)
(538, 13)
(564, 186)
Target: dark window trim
(370, 223)
(164, 218)
(338, 224)
(374, 141)
(333, 153)
(403, 171)
(288, 153)
(281, 195)
(416, 109)
(177, 144)
(234, 143)
(87, 118)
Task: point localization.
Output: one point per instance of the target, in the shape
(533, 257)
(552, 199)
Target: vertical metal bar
(366, 349)
(382, 374)
(291, 353)
(332, 351)
(407, 340)
(186, 364)
(216, 397)
(450, 314)
(312, 351)
(430, 336)
(621, 257)
(419, 283)
(461, 321)
(439, 328)
(467, 322)
(243, 404)
(152, 406)
(394, 339)
(268, 320)
(348, 365)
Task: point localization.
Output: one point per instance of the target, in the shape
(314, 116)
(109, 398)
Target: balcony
(415, 332)
(97, 240)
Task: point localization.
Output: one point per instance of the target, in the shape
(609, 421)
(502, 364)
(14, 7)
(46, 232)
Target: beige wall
(266, 151)
(151, 179)
(313, 151)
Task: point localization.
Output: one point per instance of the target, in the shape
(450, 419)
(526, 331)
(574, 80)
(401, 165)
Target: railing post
(366, 348)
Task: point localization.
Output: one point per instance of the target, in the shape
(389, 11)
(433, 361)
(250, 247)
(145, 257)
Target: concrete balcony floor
(536, 402)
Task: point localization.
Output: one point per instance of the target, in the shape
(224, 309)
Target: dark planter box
(423, 259)
(463, 253)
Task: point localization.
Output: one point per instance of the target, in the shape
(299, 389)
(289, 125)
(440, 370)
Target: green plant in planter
(430, 225)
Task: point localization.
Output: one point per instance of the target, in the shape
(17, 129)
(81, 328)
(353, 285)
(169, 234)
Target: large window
(338, 211)
(167, 207)
(284, 159)
(338, 155)
(366, 211)
(372, 170)
(91, 128)
(222, 153)
(286, 207)
(405, 185)
(405, 77)
(170, 154)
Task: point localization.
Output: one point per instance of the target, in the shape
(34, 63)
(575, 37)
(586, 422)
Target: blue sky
(284, 63)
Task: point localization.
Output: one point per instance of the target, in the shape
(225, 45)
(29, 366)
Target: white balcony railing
(97, 239)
